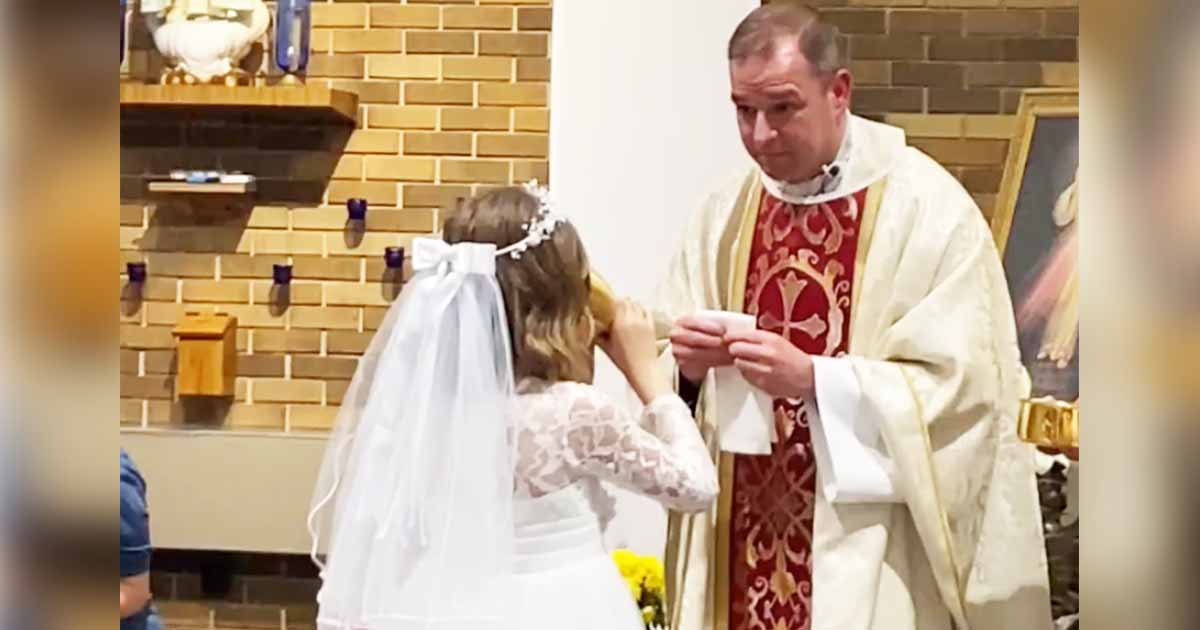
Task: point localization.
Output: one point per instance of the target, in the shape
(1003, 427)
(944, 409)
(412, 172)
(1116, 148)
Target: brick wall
(453, 98)
(950, 72)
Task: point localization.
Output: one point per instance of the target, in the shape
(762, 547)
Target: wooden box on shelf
(207, 354)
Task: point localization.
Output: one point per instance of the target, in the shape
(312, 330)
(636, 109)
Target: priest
(890, 490)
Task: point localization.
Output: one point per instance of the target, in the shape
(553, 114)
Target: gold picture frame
(1035, 103)
(1051, 419)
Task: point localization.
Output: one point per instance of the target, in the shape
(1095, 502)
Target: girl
(467, 458)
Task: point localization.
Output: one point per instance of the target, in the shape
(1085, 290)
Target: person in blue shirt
(137, 613)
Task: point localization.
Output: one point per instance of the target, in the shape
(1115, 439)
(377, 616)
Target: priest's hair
(546, 290)
(760, 32)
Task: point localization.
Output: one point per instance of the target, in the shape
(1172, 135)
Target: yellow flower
(654, 581)
(647, 614)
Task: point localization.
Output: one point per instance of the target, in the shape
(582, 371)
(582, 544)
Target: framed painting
(1035, 226)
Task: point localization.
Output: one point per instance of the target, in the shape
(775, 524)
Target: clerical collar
(825, 183)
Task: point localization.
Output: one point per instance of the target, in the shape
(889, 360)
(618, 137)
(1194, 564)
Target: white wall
(641, 129)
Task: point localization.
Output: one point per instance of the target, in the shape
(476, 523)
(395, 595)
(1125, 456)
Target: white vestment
(933, 372)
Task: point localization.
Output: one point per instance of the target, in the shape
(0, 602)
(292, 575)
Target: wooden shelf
(284, 101)
(205, 188)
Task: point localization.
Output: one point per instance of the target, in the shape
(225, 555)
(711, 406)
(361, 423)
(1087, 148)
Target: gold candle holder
(1049, 423)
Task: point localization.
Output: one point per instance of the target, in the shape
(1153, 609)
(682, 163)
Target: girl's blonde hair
(546, 290)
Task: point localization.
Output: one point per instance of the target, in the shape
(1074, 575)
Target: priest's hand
(698, 345)
(772, 364)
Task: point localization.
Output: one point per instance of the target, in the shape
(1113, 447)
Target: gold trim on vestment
(866, 230)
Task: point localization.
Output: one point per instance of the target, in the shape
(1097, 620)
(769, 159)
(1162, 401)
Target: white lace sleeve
(669, 463)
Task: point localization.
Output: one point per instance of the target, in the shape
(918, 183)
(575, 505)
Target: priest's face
(791, 118)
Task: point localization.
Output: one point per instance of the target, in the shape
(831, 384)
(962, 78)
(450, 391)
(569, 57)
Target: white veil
(413, 506)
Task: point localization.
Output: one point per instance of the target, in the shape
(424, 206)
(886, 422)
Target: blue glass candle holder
(136, 271)
(356, 208)
(293, 23)
(393, 257)
(282, 274)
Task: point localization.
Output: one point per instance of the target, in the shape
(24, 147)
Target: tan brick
(335, 391)
(345, 342)
(266, 295)
(423, 196)
(973, 101)
(371, 244)
(150, 338)
(157, 387)
(982, 180)
(1003, 22)
(986, 203)
(377, 193)
(392, 16)
(324, 367)
(477, 18)
(871, 72)
(164, 412)
(856, 20)
(256, 416)
(995, 127)
(514, 44)
(424, 143)
(402, 117)
(325, 218)
(239, 266)
(374, 141)
(321, 40)
(323, 317)
(131, 412)
(963, 152)
(216, 291)
(181, 265)
(390, 283)
(312, 417)
(268, 217)
(1060, 74)
(928, 125)
(348, 167)
(354, 294)
(513, 145)
(439, 93)
(376, 41)
(261, 365)
(129, 361)
(534, 18)
(439, 42)
(967, 4)
(888, 100)
(402, 66)
(481, 118)
(167, 313)
(954, 48)
(159, 362)
(330, 15)
(515, 2)
(887, 47)
(401, 169)
(516, 94)
(477, 68)
(919, 21)
(289, 243)
(1061, 23)
(306, 341)
(1041, 4)
(475, 171)
(407, 220)
(532, 120)
(533, 69)
(1004, 74)
(931, 74)
(315, 267)
(262, 315)
(373, 317)
(132, 215)
(524, 171)
(385, 92)
(288, 390)
(1041, 49)
(242, 343)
